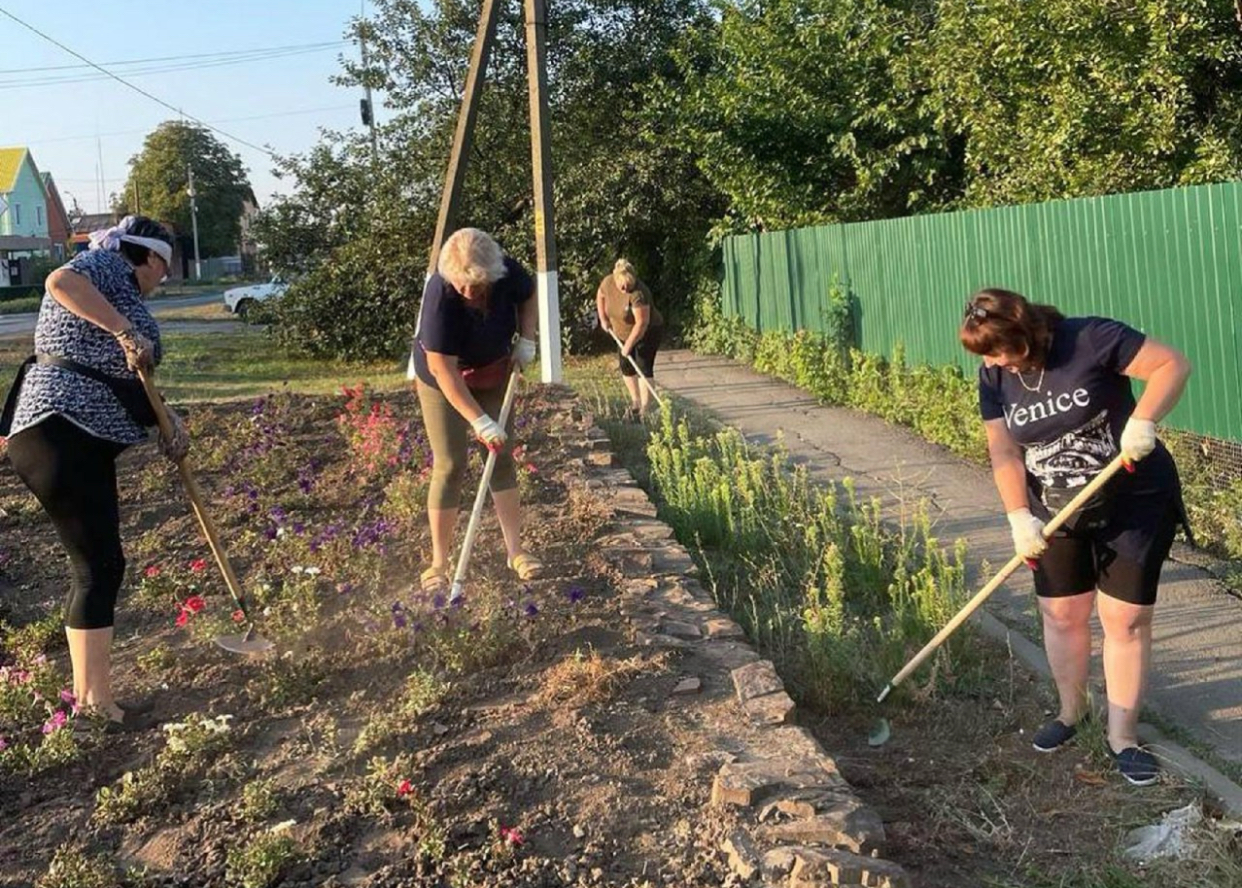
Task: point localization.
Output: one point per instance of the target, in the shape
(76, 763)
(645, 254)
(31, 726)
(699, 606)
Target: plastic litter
(1172, 837)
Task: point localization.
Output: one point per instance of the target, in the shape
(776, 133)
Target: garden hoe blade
(250, 642)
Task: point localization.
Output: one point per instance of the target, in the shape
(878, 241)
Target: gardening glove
(1028, 537)
(1138, 439)
(489, 431)
(139, 351)
(524, 353)
(177, 445)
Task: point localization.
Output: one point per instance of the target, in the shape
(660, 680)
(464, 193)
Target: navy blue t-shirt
(1068, 416)
(448, 326)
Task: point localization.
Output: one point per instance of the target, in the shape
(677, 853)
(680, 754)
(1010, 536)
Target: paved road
(24, 324)
(1196, 678)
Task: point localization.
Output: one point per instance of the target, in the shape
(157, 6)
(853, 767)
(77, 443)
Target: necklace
(1038, 385)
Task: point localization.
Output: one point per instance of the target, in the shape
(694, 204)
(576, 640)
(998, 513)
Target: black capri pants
(73, 475)
(644, 354)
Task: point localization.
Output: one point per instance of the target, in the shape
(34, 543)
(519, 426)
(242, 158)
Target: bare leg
(90, 651)
(509, 514)
(645, 395)
(1127, 654)
(637, 396)
(443, 522)
(1067, 640)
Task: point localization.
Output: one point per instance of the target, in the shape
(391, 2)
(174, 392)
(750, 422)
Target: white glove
(1028, 538)
(1138, 439)
(489, 431)
(524, 353)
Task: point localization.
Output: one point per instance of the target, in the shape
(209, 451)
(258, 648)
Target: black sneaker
(1053, 735)
(1137, 765)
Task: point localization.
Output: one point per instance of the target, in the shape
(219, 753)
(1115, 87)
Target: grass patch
(21, 305)
(212, 311)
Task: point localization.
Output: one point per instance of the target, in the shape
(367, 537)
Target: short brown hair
(999, 320)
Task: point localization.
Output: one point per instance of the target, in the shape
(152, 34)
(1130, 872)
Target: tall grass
(837, 597)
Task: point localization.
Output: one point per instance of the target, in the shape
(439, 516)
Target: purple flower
(438, 601)
(278, 514)
(398, 619)
(270, 532)
(299, 528)
(575, 594)
(344, 588)
(531, 610)
(4, 744)
(397, 607)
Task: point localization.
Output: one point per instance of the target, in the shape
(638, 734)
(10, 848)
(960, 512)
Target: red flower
(198, 565)
(511, 835)
(238, 616)
(183, 618)
(152, 571)
(404, 788)
(530, 467)
(194, 604)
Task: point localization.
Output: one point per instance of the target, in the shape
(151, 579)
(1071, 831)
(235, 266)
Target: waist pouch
(1095, 513)
(129, 392)
(489, 376)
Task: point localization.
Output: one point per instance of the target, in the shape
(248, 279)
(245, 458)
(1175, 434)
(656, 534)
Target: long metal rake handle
(472, 529)
(634, 364)
(1014, 563)
(195, 495)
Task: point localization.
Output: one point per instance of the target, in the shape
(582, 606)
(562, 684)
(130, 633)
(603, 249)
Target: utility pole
(368, 109)
(198, 266)
(541, 165)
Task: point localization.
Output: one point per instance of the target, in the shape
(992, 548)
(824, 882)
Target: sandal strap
(524, 563)
(433, 578)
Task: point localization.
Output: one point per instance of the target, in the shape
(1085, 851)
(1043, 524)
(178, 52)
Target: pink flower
(152, 571)
(198, 565)
(183, 618)
(404, 788)
(4, 744)
(194, 604)
(55, 723)
(511, 835)
(238, 616)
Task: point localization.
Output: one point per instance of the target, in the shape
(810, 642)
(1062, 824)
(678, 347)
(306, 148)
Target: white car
(240, 300)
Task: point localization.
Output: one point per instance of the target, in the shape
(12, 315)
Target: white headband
(151, 243)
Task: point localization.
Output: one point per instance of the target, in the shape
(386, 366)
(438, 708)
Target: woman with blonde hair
(473, 306)
(625, 308)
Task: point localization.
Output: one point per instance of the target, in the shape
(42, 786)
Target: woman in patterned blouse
(78, 406)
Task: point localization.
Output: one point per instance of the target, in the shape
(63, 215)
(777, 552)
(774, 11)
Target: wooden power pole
(541, 159)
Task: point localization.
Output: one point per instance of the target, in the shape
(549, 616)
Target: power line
(136, 89)
(132, 132)
(19, 83)
(178, 58)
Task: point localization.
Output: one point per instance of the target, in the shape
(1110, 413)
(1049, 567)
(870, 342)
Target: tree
(159, 180)
(620, 188)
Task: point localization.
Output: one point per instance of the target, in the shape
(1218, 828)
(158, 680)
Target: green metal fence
(1166, 262)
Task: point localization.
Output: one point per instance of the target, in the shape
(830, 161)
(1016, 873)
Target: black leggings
(73, 474)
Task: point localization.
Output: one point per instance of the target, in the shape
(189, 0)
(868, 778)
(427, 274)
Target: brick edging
(803, 826)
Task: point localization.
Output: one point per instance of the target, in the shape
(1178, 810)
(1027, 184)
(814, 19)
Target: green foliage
(814, 575)
(358, 227)
(261, 861)
(159, 174)
(259, 801)
(423, 692)
(74, 868)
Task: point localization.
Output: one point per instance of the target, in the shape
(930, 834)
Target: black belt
(129, 392)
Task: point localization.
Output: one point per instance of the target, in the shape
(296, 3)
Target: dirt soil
(591, 760)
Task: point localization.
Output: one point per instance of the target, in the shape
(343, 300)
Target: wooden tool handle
(646, 382)
(195, 495)
(1013, 564)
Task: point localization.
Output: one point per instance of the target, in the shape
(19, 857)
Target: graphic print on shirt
(1076, 457)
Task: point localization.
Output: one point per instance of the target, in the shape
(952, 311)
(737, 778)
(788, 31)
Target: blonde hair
(471, 256)
(623, 275)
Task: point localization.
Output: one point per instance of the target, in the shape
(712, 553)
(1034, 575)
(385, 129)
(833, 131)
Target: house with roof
(59, 225)
(23, 214)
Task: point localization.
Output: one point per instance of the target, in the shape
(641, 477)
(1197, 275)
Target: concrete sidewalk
(1196, 679)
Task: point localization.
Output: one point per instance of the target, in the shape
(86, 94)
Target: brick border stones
(803, 826)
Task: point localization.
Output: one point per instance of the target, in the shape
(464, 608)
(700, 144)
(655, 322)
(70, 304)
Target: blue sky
(59, 122)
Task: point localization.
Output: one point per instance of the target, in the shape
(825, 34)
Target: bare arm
(642, 320)
(1008, 467)
(528, 317)
(448, 376)
(77, 294)
(1165, 370)
(601, 309)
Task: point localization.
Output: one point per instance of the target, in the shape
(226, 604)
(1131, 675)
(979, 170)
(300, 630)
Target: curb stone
(803, 825)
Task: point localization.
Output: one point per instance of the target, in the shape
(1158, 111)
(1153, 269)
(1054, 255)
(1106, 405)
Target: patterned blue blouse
(87, 403)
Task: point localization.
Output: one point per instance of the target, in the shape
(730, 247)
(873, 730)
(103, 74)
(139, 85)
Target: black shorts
(644, 354)
(1122, 560)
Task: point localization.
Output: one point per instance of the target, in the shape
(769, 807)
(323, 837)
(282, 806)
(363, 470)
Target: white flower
(297, 568)
(283, 827)
(313, 571)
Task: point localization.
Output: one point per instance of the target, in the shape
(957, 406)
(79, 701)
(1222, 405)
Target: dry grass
(581, 678)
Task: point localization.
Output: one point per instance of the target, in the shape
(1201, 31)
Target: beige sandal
(433, 580)
(526, 566)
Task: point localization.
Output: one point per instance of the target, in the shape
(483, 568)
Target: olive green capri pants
(450, 435)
